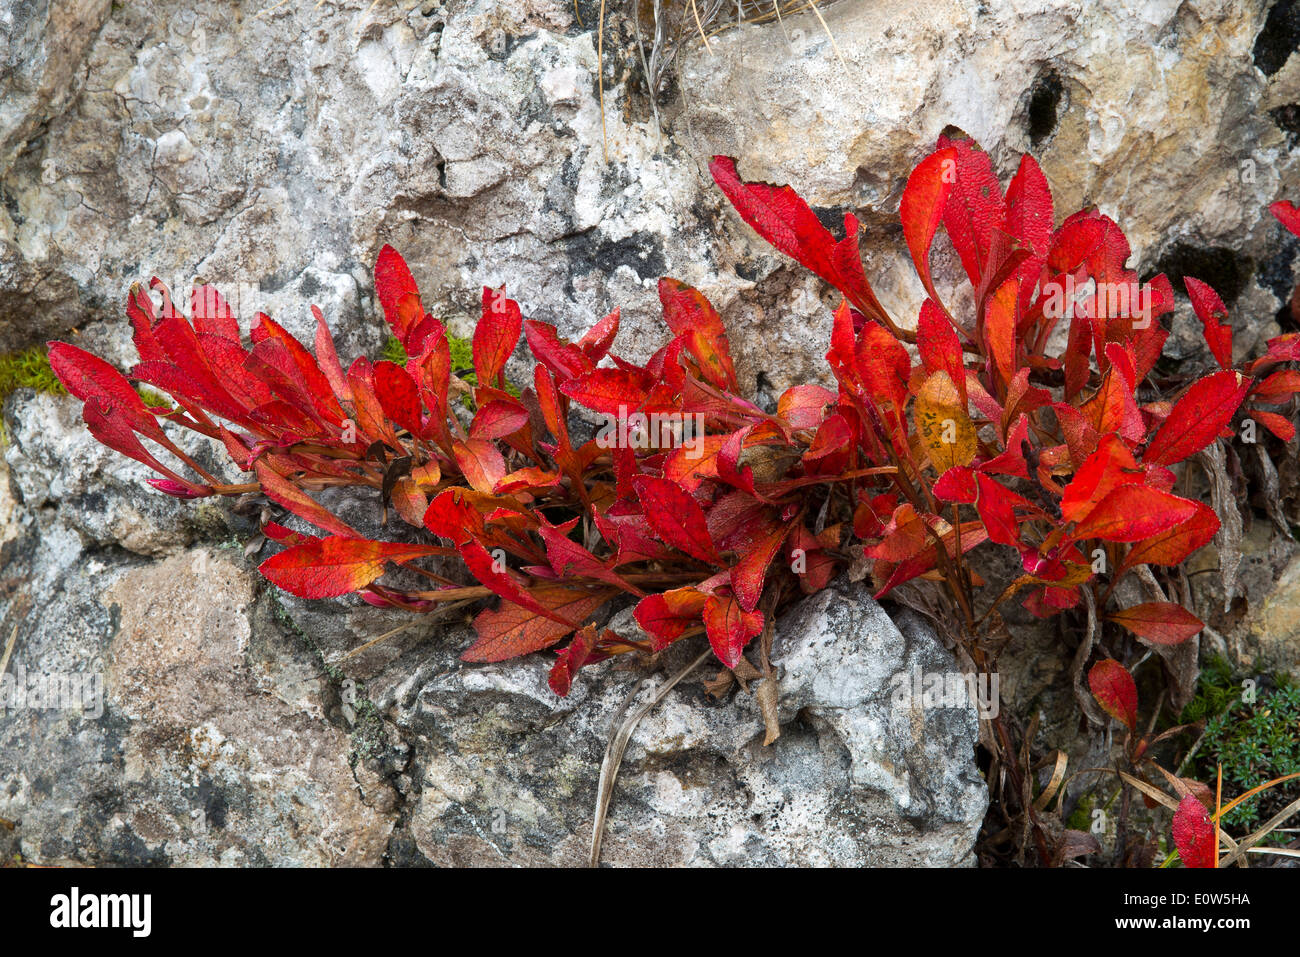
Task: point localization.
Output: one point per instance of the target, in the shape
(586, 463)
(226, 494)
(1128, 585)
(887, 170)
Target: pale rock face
(1274, 631)
(204, 741)
(271, 150)
(859, 776)
(254, 146)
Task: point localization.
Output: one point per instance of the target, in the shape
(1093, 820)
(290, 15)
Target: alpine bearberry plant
(1023, 410)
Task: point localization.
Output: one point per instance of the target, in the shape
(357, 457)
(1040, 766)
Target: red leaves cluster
(705, 511)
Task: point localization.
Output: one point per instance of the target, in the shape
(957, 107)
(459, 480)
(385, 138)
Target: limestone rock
(196, 734)
(507, 772)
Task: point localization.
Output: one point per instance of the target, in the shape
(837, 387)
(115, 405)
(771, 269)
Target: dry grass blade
(1150, 791)
(1084, 697)
(600, 77)
(622, 733)
(1058, 778)
(1255, 790)
(1269, 827)
(830, 36)
(1280, 851)
(440, 613)
(766, 696)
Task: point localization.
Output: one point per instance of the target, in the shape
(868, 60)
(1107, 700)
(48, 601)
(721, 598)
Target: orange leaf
(1159, 622)
(512, 630)
(336, 566)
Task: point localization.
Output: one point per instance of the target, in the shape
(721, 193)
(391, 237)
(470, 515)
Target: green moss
(462, 362)
(394, 351)
(28, 369)
(1080, 818)
(153, 399)
(1216, 690)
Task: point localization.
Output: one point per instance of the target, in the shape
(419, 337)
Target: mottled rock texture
(272, 149)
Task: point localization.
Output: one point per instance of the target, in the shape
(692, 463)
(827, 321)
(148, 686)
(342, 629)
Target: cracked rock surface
(272, 149)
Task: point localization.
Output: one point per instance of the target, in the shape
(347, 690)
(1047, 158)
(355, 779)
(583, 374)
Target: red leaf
(675, 517)
(940, 349)
(1279, 425)
(1030, 217)
(957, 484)
(1159, 622)
(212, 314)
(398, 397)
(1000, 327)
(335, 566)
(327, 358)
(452, 515)
(1174, 544)
(564, 359)
(497, 419)
(1131, 513)
(883, 365)
(1288, 214)
(666, 616)
(997, 510)
(568, 558)
(756, 546)
(691, 466)
(1277, 388)
(1209, 308)
(90, 378)
(496, 335)
(581, 651)
(1193, 833)
(921, 210)
(432, 372)
(480, 462)
(1197, 418)
(1115, 691)
(1111, 466)
(595, 342)
(780, 216)
(513, 630)
(280, 490)
(397, 293)
(483, 566)
(975, 206)
(612, 391)
(730, 627)
(804, 406)
(687, 313)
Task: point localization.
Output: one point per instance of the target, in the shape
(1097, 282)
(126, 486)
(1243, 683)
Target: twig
(9, 649)
(600, 77)
(618, 744)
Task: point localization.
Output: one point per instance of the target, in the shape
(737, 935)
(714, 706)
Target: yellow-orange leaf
(943, 424)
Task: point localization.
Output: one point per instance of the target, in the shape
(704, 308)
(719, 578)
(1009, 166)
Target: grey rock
(54, 462)
(270, 149)
(507, 772)
(195, 732)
